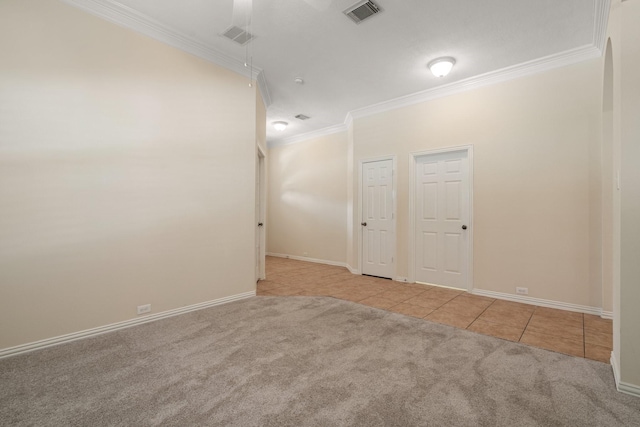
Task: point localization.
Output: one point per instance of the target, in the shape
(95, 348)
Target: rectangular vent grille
(361, 11)
(302, 117)
(238, 35)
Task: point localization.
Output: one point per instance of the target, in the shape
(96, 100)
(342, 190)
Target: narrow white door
(378, 225)
(442, 214)
(259, 224)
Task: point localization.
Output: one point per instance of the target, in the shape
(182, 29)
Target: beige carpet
(305, 361)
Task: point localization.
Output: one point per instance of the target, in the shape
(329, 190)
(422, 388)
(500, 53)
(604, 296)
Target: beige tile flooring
(576, 334)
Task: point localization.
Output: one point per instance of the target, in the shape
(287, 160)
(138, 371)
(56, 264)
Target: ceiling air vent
(362, 10)
(302, 117)
(238, 35)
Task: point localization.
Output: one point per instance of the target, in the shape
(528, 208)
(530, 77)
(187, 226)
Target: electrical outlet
(142, 309)
(522, 291)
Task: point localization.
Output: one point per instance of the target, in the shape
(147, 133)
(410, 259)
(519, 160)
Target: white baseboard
(616, 371)
(606, 314)
(540, 302)
(402, 279)
(304, 258)
(352, 270)
(626, 388)
(50, 342)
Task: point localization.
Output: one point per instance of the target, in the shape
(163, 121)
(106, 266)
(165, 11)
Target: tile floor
(576, 334)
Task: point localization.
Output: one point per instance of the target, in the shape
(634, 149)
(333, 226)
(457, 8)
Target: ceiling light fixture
(280, 126)
(442, 66)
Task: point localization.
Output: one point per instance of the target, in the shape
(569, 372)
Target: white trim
(348, 121)
(601, 19)
(394, 190)
(539, 302)
(627, 388)
(87, 333)
(127, 17)
(124, 16)
(535, 66)
(264, 89)
(402, 279)
(307, 259)
(606, 314)
(308, 135)
(413, 159)
(621, 386)
(353, 270)
(615, 369)
(540, 65)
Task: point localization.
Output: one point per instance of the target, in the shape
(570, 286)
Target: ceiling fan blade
(242, 10)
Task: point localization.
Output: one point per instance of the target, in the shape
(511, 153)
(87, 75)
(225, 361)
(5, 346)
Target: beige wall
(629, 321)
(534, 139)
(307, 207)
(126, 174)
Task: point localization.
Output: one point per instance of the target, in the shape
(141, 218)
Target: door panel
(442, 208)
(378, 236)
(429, 250)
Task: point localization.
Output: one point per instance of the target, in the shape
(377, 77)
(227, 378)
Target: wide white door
(378, 225)
(442, 215)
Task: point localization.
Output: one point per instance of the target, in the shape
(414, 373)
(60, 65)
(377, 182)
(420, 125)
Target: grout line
(527, 325)
(478, 316)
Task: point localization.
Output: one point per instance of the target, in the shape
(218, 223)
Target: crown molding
(493, 77)
(535, 66)
(348, 121)
(124, 16)
(307, 136)
(127, 17)
(572, 56)
(264, 89)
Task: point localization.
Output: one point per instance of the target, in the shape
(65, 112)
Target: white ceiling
(348, 67)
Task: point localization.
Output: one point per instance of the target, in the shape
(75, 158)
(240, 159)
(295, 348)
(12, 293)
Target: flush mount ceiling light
(442, 66)
(280, 126)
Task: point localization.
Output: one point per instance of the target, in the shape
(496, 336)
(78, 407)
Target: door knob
(464, 227)
(260, 224)
(364, 224)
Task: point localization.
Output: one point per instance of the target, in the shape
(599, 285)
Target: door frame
(394, 180)
(261, 216)
(413, 161)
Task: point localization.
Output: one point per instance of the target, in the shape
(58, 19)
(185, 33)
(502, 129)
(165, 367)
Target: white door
(378, 225)
(442, 215)
(259, 220)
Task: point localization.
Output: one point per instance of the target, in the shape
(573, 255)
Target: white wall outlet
(142, 309)
(522, 291)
